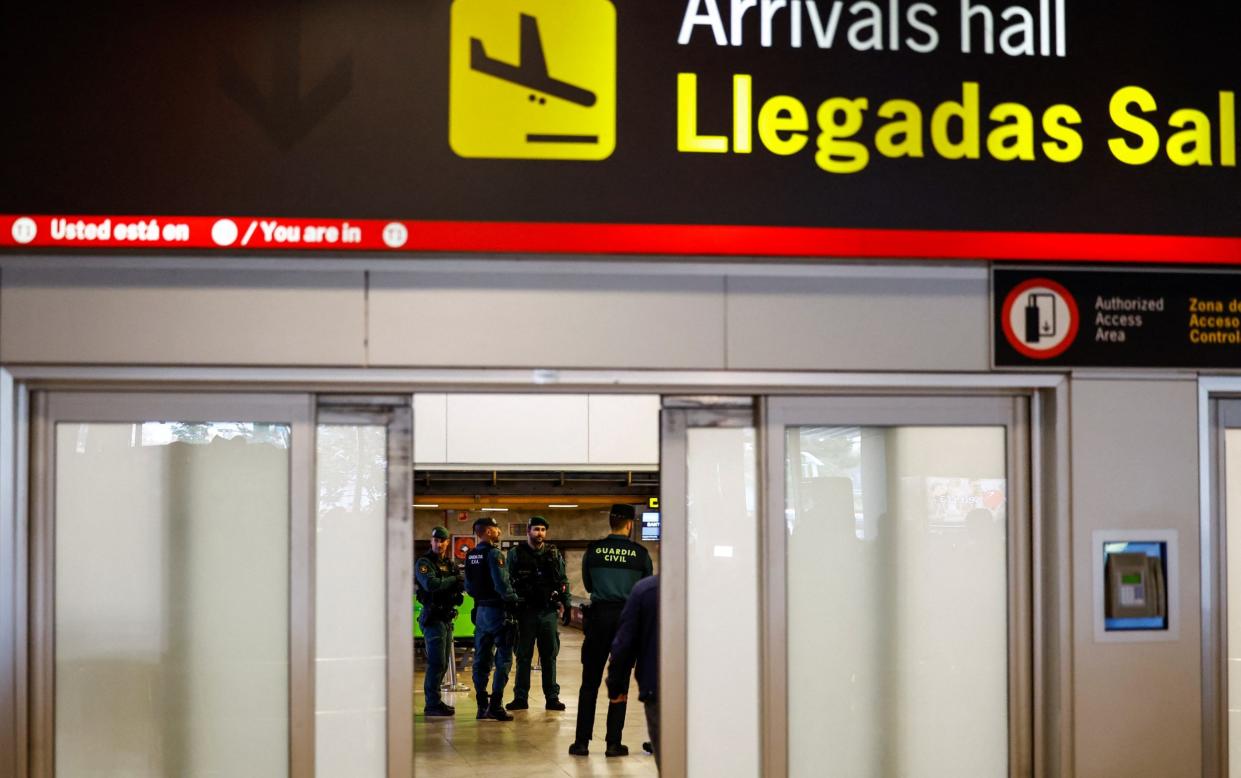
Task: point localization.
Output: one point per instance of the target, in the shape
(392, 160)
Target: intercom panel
(1135, 585)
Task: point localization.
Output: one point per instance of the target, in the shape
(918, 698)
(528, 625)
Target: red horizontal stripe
(195, 233)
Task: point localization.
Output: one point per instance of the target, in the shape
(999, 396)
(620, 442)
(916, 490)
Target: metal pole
(450, 683)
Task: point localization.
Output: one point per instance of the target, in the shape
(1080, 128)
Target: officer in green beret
(438, 587)
(486, 579)
(537, 570)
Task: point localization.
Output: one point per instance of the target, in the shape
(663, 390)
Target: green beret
(440, 532)
(537, 521)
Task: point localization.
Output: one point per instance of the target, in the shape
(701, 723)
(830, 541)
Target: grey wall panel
(861, 319)
(1135, 466)
(516, 319)
(190, 317)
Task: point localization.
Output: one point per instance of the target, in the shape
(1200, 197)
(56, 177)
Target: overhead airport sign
(984, 129)
(1099, 318)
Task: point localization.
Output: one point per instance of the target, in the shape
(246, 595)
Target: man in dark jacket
(610, 568)
(537, 571)
(486, 579)
(637, 640)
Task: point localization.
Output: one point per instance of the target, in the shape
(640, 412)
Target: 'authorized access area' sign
(1097, 318)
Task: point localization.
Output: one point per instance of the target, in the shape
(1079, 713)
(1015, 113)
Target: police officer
(438, 589)
(537, 571)
(486, 579)
(610, 569)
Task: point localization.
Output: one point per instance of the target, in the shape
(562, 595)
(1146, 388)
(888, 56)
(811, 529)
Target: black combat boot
(483, 702)
(497, 712)
(517, 705)
(617, 749)
(554, 703)
(579, 749)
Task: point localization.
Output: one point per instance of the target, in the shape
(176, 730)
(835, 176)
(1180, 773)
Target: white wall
(532, 430)
(1138, 706)
(594, 314)
(548, 319)
(930, 319)
(95, 315)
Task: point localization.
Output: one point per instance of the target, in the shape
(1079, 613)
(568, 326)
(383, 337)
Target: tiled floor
(536, 742)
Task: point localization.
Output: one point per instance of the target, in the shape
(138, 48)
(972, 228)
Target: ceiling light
(498, 510)
(570, 505)
(426, 505)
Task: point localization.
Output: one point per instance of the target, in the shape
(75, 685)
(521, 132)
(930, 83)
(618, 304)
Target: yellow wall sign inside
(532, 79)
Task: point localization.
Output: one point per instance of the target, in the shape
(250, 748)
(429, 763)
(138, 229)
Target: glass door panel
(897, 598)
(351, 662)
(898, 610)
(363, 577)
(205, 600)
(1232, 562)
(722, 603)
(710, 572)
(172, 598)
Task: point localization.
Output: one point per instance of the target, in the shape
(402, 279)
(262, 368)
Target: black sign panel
(1108, 318)
(975, 115)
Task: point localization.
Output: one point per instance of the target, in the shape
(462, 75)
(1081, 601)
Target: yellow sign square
(532, 79)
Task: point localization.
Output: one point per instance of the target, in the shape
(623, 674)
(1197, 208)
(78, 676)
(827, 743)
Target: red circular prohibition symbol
(1006, 319)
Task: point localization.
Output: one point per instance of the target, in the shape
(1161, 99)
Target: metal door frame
(14, 464)
(678, 415)
(1219, 409)
(395, 413)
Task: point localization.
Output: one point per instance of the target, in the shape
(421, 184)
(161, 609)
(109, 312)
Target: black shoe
(579, 749)
(648, 748)
(517, 705)
(497, 714)
(555, 704)
(451, 708)
(438, 710)
(484, 702)
(616, 749)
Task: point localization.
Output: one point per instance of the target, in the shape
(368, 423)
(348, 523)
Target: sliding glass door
(168, 621)
(220, 585)
(902, 530)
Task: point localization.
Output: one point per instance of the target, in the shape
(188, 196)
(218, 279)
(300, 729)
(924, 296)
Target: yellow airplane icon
(505, 102)
(532, 70)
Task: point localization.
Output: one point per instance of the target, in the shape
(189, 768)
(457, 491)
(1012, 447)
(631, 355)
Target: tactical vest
(535, 576)
(443, 569)
(478, 575)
